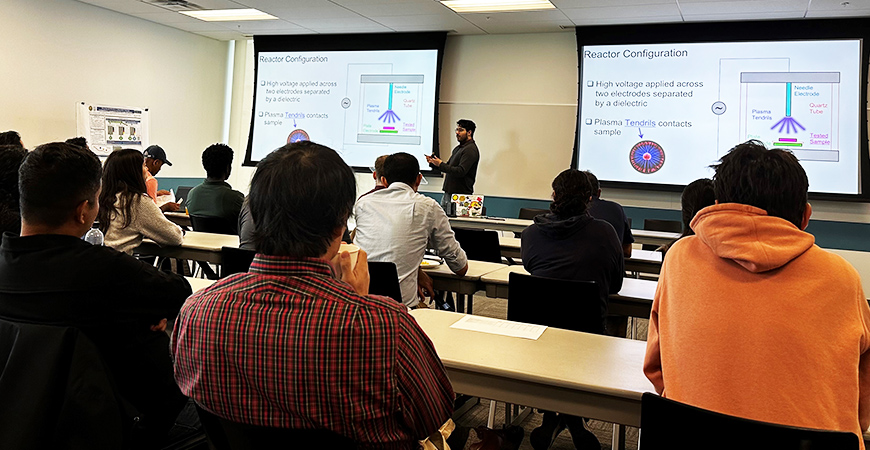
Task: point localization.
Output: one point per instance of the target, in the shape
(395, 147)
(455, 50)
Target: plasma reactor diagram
(783, 108)
(390, 109)
(797, 111)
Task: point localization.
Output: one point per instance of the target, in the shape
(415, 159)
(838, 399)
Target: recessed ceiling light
(473, 6)
(227, 15)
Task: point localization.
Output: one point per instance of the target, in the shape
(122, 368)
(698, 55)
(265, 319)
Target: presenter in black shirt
(460, 170)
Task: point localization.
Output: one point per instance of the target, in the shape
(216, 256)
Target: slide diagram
(362, 103)
(390, 109)
(646, 157)
(665, 113)
(798, 111)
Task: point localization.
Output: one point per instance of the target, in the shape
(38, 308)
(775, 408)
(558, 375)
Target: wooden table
(645, 261)
(465, 286)
(633, 300)
(197, 246)
(653, 237)
(518, 225)
(588, 375)
(179, 218)
(489, 223)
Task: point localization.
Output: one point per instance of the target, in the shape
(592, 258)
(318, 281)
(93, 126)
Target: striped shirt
(288, 345)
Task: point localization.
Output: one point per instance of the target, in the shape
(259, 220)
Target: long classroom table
(633, 300)
(196, 246)
(588, 375)
(645, 261)
(518, 225)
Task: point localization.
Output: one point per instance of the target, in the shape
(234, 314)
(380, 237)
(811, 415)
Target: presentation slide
(363, 104)
(663, 113)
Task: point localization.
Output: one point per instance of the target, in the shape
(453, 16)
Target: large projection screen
(659, 106)
(362, 95)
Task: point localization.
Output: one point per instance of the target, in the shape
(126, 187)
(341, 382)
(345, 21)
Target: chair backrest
(225, 434)
(530, 213)
(235, 260)
(665, 423)
(479, 245)
(568, 304)
(673, 226)
(218, 225)
(57, 391)
(384, 280)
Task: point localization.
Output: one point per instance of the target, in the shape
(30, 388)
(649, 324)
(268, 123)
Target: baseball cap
(156, 152)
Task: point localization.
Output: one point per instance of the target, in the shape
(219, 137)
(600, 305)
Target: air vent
(174, 5)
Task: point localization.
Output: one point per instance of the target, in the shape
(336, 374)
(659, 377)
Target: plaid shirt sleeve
(425, 393)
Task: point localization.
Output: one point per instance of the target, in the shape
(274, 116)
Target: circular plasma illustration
(647, 157)
(296, 136)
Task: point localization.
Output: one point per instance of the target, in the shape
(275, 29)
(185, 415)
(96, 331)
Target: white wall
(56, 53)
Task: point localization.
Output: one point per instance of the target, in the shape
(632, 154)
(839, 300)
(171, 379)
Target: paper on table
(502, 327)
(161, 199)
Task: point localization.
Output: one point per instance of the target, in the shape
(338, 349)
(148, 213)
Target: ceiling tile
(854, 6)
(742, 16)
(370, 9)
(574, 4)
(222, 35)
(838, 13)
(125, 6)
(554, 16)
(742, 7)
(613, 14)
(259, 26)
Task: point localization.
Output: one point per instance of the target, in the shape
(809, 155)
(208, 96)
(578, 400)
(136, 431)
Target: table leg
(618, 437)
(470, 303)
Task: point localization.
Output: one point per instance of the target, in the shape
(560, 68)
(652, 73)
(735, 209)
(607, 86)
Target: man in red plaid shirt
(297, 342)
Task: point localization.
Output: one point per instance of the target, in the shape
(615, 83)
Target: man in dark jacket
(460, 170)
(50, 276)
(569, 244)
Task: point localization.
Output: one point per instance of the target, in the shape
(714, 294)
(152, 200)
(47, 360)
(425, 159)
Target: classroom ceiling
(378, 16)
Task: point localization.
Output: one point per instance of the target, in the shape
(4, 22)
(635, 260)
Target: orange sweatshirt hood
(749, 237)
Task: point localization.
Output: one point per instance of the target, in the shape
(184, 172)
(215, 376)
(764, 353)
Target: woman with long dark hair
(127, 214)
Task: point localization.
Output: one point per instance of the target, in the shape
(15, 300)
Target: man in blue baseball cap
(155, 157)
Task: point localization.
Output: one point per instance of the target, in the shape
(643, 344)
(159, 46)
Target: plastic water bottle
(94, 236)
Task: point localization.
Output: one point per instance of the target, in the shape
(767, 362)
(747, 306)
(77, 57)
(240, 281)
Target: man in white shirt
(396, 224)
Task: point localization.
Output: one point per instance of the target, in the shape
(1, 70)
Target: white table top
(476, 269)
(567, 360)
(632, 288)
(640, 255)
(209, 241)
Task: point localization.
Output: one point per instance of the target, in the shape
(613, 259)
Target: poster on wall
(108, 128)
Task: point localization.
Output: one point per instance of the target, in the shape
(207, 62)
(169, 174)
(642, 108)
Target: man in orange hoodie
(750, 317)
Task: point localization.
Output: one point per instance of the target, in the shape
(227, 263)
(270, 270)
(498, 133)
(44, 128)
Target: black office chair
(235, 260)
(529, 214)
(673, 226)
(569, 304)
(225, 434)
(384, 280)
(479, 245)
(219, 225)
(665, 423)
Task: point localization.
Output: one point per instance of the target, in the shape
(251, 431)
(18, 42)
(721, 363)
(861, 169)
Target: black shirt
(612, 213)
(460, 170)
(577, 248)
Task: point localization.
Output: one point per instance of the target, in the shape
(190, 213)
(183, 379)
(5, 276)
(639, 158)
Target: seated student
(79, 141)
(396, 224)
(127, 215)
(155, 157)
(569, 244)
(612, 213)
(327, 355)
(11, 157)
(11, 138)
(51, 276)
(378, 174)
(215, 197)
(752, 319)
(696, 196)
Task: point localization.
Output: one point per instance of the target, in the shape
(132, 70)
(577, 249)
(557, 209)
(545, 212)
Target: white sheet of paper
(498, 326)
